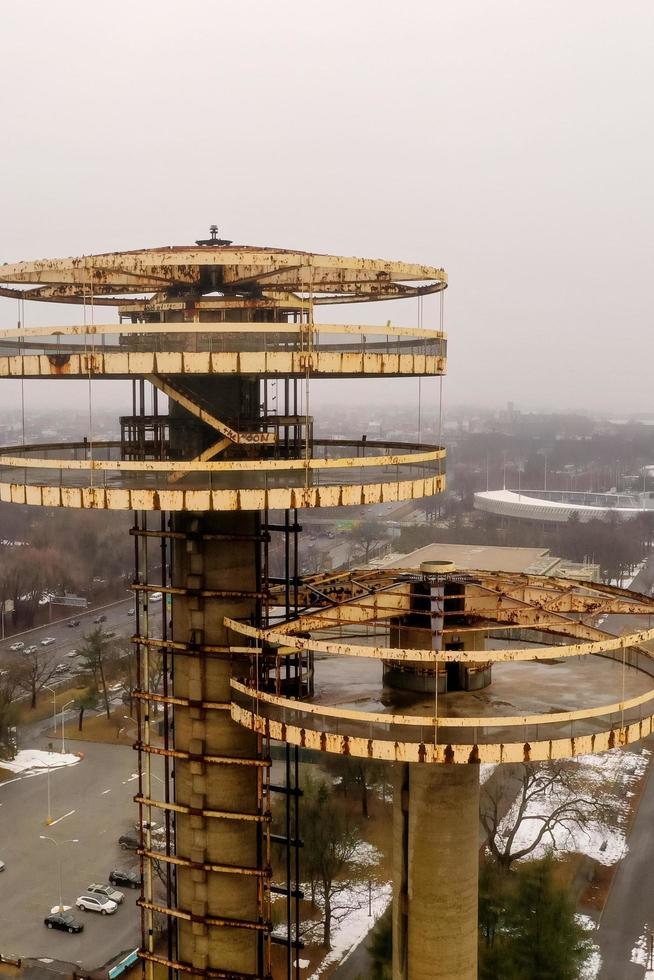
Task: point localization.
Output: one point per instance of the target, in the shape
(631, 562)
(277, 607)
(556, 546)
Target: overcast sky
(509, 142)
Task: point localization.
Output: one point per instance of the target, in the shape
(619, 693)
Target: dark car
(128, 879)
(73, 622)
(64, 921)
(100, 619)
(128, 842)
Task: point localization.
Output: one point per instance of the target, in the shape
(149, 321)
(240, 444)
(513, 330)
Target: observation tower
(432, 670)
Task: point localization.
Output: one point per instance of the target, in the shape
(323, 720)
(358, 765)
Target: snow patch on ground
(608, 778)
(486, 770)
(366, 855)
(35, 761)
(352, 922)
(593, 965)
(642, 953)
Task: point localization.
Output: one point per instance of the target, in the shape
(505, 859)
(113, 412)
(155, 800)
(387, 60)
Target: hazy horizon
(507, 142)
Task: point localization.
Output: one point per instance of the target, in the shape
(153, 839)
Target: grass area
(115, 730)
(44, 703)
(98, 728)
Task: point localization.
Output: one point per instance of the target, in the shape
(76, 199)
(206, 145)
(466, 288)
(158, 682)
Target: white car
(47, 641)
(96, 903)
(156, 597)
(73, 653)
(17, 646)
(106, 891)
(31, 649)
(61, 668)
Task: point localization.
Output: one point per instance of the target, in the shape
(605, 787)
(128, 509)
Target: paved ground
(99, 792)
(630, 904)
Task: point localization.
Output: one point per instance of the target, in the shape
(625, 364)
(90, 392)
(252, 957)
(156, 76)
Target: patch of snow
(35, 761)
(351, 926)
(366, 855)
(592, 966)
(486, 770)
(642, 953)
(607, 777)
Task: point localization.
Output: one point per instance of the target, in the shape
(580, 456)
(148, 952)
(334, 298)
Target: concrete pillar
(435, 872)
(231, 564)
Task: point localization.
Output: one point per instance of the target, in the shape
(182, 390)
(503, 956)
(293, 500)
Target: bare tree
(552, 798)
(96, 653)
(330, 842)
(32, 672)
(8, 706)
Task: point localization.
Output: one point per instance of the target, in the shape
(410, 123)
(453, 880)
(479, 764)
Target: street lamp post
(63, 709)
(72, 840)
(54, 722)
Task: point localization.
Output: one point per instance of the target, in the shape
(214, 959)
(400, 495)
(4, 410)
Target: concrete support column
(435, 873)
(229, 565)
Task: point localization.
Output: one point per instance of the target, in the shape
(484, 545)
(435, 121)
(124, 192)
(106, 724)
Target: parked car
(96, 903)
(2, 865)
(130, 611)
(128, 842)
(106, 891)
(128, 879)
(109, 633)
(100, 619)
(64, 921)
(72, 623)
(73, 653)
(156, 597)
(17, 646)
(61, 668)
(31, 649)
(47, 641)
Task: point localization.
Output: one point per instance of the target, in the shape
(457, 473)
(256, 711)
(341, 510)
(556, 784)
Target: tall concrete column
(435, 872)
(220, 553)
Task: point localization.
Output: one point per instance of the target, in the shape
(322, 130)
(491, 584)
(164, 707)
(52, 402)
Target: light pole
(63, 742)
(72, 840)
(54, 722)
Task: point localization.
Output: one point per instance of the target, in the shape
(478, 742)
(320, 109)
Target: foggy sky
(509, 142)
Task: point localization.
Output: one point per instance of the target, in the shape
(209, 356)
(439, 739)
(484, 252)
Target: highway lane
(94, 803)
(68, 638)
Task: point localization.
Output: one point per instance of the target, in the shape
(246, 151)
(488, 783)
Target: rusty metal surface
(540, 750)
(326, 278)
(335, 495)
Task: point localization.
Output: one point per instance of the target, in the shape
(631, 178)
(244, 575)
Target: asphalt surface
(68, 638)
(630, 905)
(92, 802)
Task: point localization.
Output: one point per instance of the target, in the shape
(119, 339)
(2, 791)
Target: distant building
(558, 506)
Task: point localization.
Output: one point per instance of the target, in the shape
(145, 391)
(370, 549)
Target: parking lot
(92, 803)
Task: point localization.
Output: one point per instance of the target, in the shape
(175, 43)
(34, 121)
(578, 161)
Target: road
(68, 638)
(94, 801)
(630, 905)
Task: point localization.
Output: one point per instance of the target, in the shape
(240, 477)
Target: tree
(96, 654)
(8, 707)
(362, 774)
(87, 702)
(330, 841)
(534, 933)
(33, 672)
(380, 947)
(551, 798)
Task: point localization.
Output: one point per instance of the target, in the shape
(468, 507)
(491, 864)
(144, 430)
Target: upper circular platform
(561, 686)
(241, 275)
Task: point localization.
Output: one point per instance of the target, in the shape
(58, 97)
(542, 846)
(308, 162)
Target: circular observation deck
(560, 686)
(332, 474)
(274, 350)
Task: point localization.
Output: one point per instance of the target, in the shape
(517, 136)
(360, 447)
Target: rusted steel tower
(215, 483)
(252, 652)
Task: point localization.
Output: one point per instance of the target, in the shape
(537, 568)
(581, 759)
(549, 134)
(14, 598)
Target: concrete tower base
(435, 873)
